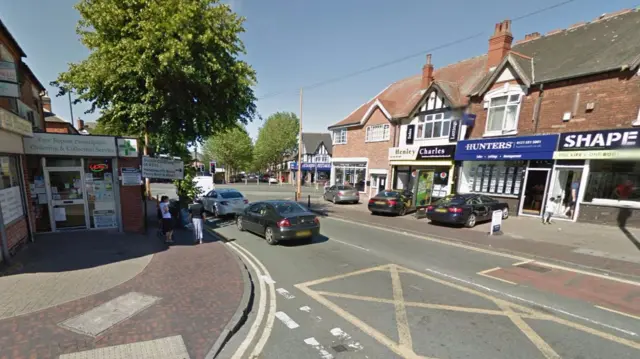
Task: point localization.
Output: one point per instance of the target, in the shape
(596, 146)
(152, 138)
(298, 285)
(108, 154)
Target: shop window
(499, 177)
(436, 125)
(352, 174)
(377, 133)
(340, 136)
(613, 182)
(99, 185)
(11, 190)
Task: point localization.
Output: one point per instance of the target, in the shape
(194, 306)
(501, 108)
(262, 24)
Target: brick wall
(615, 95)
(57, 127)
(17, 234)
(131, 201)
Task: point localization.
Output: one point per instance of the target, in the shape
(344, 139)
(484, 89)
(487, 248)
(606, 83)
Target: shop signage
(600, 140)
(411, 129)
(131, 176)
(98, 167)
(438, 152)
(468, 119)
(163, 168)
(70, 145)
(320, 166)
(597, 155)
(454, 130)
(511, 148)
(14, 123)
(11, 203)
(9, 90)
(403, 153)
(127, 147)
(8, 72)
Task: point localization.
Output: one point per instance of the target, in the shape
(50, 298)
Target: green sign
(424, 186)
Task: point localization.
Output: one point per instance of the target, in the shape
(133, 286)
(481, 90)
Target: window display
(98, 178)
(498, 177)
(613, 181)
(351, 173)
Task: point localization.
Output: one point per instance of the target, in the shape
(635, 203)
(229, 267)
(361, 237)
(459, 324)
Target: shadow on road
(623, 217)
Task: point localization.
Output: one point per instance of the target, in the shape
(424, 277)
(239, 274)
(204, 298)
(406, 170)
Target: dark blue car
(465, 209)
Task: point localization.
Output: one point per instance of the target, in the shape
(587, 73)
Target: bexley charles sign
(412, 153)
(621, 144)
(70, 145)
(512, 148)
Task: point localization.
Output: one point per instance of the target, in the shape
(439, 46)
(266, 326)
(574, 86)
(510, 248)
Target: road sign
(162, 168)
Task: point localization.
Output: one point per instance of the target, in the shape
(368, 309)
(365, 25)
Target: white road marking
(285, 293)
(284, 318)
(346, 339)
(305, 309)
(315, 345)
(267, 279)
(352, 245)
(415, 287)
(547, 307)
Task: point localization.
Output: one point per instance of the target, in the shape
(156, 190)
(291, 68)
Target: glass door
(564, 190)
(535, 184)
(67, 198)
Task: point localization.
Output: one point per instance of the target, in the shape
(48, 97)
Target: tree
(232, 148)
(278, 138)
(166, 68)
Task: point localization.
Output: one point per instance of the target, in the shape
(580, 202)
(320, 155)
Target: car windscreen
(346, 188)
(451, 201)
(287, 208)
(229, 195)
(388, 194)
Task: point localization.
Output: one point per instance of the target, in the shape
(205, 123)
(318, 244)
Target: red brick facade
(131, 201)
(58, 127)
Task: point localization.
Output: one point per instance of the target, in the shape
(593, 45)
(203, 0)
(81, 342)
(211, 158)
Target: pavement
(371, 287)
(109, 295)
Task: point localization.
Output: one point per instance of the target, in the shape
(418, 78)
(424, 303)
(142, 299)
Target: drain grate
(340, 348)
(535, 268)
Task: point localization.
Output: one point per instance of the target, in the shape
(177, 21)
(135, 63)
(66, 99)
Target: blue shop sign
(505, 149)
(311, 166)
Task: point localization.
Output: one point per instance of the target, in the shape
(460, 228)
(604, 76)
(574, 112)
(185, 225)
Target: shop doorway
(378, 184)
(535, 184)
(565, 186)
(67, 198)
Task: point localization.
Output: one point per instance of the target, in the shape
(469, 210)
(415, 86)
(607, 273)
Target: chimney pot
(499, 43)
(79, 124)
(46, 103)
(427, 73)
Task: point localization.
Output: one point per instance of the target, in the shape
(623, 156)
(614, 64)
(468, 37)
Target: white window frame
(511, 92)
(383, 134)
(441, 117)
(340, 136)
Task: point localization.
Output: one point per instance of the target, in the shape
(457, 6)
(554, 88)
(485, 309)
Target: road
(362, 291)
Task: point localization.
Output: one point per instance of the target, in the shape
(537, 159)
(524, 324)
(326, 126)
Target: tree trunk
(147, 182)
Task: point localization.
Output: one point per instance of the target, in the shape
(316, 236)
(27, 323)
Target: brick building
(554, 118)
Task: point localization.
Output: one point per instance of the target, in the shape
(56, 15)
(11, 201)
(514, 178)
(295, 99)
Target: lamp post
(71, 107)
(299, 177)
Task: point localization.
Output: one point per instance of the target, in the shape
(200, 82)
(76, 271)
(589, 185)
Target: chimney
(427, 73)
(531, 36)
(46, 103)
(499, 43)
(79, 124)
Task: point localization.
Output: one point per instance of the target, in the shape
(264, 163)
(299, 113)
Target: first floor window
(613, 181)
(434, 125)
(340, 136)
(377, 133)
(503, 114)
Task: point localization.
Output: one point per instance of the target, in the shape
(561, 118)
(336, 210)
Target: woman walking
(167, 224)
(196, 214)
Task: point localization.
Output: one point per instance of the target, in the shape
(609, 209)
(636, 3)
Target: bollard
(295, 196)
(309, 201)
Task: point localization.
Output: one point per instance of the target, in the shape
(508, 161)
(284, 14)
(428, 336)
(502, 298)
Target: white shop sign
(11, 203)
(70, 145)
(403, 153)
(163, 168)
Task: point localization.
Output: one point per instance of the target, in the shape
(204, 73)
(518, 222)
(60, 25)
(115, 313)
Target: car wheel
(471, 221)
(335, 200)
(269, 236)
(403, 211)
(505, 213)
(239, 223)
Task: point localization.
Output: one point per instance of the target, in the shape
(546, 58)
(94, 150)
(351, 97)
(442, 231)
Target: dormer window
(436, 125)
(503, 111)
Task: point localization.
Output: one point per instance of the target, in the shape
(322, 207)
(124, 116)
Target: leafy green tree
(232, 148)
(168, 69)
(277, 138)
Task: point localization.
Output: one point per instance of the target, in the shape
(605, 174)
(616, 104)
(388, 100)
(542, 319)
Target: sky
(299, 43)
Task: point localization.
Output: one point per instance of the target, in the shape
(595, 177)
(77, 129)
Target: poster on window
(501, 179)
(494, 179)
(424, 188)
(104, 219)
(510, 175)
(11, 203)
(519, 174)
(480, 172)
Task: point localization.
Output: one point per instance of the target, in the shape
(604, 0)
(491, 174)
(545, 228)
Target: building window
(321, 158)
(496, 177)
(377, 133)
(613, 182)
(340, 136)
(353, 174)
(436, 125)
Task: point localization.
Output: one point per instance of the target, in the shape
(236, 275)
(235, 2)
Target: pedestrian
(196, 214)
(167, 224)
(550, 209)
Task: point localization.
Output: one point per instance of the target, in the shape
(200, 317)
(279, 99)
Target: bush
(186, 188)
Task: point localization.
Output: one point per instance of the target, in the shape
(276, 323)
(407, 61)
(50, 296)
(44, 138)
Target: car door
(266, 218)
(251, 219)
(477, 208)
(213, 197)
(330, 192)
(206, 201)
(491, 204)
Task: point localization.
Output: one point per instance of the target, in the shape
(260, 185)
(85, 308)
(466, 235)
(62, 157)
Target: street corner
(396, 305)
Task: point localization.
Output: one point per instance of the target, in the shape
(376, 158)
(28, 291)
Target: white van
(205, 183)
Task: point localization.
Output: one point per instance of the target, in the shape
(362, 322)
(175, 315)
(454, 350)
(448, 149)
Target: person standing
(196, 214)
(167, 224)
(550, 209)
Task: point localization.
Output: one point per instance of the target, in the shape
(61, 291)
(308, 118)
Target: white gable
(505, 75)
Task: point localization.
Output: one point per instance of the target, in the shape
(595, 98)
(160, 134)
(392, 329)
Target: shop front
(516, 170)
(351, 171)
(74, 182)
(411, 164)
(312, 172)
(597, 177)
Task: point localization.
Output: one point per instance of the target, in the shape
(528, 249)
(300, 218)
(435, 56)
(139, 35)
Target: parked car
(273, 180)
(396, 201)
(279, 220)
(341, 194)
(466, 209)
(223, 202)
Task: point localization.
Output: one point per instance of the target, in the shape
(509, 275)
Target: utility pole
(71, 108)
(299, 177)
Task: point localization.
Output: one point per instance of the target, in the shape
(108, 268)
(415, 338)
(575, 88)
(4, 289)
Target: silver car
(223, 202)
(342, 194)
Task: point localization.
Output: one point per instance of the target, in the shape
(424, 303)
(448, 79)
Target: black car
(466, 209)
(396, 202)
(279, 220)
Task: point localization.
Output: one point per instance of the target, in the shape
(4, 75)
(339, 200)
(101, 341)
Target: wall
(616, 97)
(57, 127)
(131, 201)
